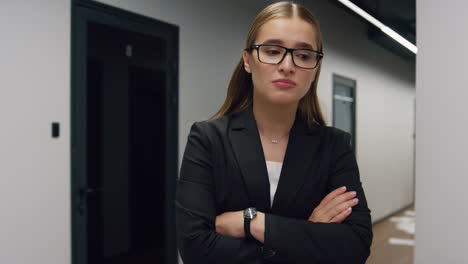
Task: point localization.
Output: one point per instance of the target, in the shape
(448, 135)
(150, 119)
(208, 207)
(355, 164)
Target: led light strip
(391, 33)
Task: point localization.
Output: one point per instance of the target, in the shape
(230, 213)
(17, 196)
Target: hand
(334, 207)
(231, 224)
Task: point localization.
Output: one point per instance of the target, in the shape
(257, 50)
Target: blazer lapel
(301, 152)
(248, 150)
(303, 144)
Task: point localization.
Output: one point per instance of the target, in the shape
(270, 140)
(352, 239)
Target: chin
(284, 100)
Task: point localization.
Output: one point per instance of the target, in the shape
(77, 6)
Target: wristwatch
(249, 214)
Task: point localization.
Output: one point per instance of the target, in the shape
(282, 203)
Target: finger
(343, 206)
(329, 197)
(341, 216)
(330, 207)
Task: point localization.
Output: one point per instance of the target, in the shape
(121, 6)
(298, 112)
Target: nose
(287, 65)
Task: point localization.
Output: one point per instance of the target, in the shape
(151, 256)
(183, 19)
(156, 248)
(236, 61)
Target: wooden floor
(383, 252)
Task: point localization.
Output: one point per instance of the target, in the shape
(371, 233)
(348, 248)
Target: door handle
(87, 190)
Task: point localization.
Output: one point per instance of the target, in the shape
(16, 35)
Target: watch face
(250, 213)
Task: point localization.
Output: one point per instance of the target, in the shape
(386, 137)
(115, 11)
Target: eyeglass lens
(302, 58)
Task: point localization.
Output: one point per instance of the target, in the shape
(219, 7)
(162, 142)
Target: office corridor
(393, 241)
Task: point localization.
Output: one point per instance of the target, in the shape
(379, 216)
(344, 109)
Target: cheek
(311, 76)
(261, 75)
(307, 80)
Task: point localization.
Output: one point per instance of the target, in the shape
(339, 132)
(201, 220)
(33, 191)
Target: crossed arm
(205, 237)
(334, 208)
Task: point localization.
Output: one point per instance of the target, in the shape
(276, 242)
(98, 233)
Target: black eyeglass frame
(257, 46)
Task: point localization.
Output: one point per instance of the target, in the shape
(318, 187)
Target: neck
(274, 120)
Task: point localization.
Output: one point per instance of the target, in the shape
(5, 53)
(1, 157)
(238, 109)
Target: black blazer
(224, 169)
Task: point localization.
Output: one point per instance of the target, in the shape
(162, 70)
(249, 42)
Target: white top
(274, 171)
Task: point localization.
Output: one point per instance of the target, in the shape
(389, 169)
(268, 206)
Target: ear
(245, 57)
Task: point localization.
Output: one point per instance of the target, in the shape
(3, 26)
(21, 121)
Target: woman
(264, 179)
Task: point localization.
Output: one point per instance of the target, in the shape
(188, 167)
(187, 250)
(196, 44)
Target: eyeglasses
(275, 54)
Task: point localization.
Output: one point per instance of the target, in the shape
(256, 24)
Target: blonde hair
(240, 90)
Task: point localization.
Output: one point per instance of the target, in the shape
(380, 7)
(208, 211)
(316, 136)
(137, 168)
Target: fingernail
(343, 188)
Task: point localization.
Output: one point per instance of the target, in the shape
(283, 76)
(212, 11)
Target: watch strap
(249, 214)
(247, 228)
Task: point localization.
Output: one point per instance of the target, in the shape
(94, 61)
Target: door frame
(84, 11)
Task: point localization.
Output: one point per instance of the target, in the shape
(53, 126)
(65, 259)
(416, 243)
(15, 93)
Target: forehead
(290, 32)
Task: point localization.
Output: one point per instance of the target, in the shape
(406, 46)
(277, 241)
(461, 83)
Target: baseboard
(390, 214)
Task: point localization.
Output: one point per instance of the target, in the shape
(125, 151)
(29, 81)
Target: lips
(284, 83)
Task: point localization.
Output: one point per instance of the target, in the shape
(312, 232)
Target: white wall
(35, 91)
(441, 124)
(34, 168)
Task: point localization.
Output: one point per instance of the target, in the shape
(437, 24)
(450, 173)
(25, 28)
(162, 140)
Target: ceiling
(399, 15)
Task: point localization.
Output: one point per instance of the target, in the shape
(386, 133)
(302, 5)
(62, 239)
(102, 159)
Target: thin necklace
(275, 140)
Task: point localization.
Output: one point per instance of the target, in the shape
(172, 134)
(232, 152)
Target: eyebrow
(280, 42)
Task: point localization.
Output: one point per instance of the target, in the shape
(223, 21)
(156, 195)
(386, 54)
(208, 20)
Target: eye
(303, 56)
(272, 52)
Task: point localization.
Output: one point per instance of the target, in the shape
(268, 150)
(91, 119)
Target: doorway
(124, 136)
(344, 106)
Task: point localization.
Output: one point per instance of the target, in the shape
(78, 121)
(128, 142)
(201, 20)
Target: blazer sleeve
(195, 208)
(296, 240)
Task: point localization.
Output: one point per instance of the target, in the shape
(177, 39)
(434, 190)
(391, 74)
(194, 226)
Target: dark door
(125, 158)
